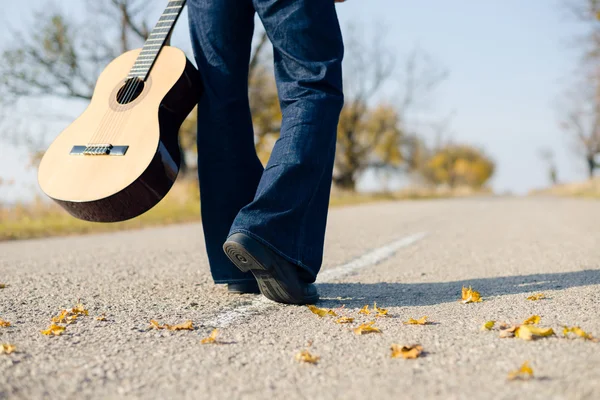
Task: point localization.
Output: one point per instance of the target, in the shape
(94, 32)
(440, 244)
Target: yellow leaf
(406, 351)
(101, 317)
(381, 312)
(577, 331)
(533, 320)
(305, 356)
(79, 309)
(154, 324)
(365, 310)
(7, 348)
(61, 318)
(54, 330)
(508, 332)
(538, 296)
(2, 285)
(366, 328)
(525, 372)
(321, 312)
(187, 325)
(4, 324)
(344, 320)
(488, 326)
(420, 321)
(529, 332)
(470, 296)
(212, 338)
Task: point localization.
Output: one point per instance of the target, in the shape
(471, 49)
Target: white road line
(373, 257)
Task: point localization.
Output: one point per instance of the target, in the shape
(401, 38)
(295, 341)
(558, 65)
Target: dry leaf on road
(530, 332)
(101, 317)
(305, 356)
(525, 372)
(53, 330)
(321, 312)
(533, 320)
(488, 326)
(344, 320)
(577, 331)
(79, 309)
(366, 328)
(470, 296)
(7, 348)
(4, 324)
(2, 285)
(538, 296)
(212, 338)
(381, 312)
(187, 325)
(407, 352)
(365, 310)
(420, 321)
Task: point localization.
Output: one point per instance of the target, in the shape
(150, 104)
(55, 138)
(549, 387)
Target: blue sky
(508, 64)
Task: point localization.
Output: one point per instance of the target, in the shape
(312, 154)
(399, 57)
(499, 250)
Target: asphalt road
(412, 258)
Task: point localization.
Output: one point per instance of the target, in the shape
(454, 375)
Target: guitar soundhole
(130, 91)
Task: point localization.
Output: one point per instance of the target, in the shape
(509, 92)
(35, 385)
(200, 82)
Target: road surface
(411, 258)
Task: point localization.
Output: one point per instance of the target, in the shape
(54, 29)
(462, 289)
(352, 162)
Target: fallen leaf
(508, 332)
(344, 320)
(470, 296)
(365, 310)
(62, 317)
(305, 356)
(420, 321)
(154, 324)
(2, 285)
(187, 325)
(381, 312)
(406, 351)
(7, 348)
(101, 317)
(366, 328)
(525, 372)
(212, 338)
(577, 331)
(54, 330)
(4, 324)
(488, 326)
(538, 296)
(71, 318)
(533, 320)
(529, 332)
(79, 309)
(321, 312)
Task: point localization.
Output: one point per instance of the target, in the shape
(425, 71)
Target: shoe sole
(270, 278)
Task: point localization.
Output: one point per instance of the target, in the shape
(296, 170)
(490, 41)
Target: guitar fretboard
(156, 40)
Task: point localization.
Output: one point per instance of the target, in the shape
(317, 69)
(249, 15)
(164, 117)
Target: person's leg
(289, 212)
(228, 168)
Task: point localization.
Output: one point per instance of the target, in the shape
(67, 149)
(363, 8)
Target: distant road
(411, 258)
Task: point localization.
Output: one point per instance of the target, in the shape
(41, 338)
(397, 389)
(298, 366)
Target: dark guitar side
(156, 181)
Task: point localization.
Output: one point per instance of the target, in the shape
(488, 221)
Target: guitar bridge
(99, 150)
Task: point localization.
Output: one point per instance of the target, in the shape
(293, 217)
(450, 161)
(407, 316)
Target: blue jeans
(285, 204)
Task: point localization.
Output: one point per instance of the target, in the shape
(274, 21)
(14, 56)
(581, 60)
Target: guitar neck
(157, 40)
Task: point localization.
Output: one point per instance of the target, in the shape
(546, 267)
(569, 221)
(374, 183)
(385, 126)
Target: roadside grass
(589, 189)
(43, 218)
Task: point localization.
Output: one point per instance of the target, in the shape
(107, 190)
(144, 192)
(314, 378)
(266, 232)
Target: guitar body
(121, 156)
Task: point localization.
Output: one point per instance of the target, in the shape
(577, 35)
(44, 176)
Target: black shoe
(243, 287)
(277, 278)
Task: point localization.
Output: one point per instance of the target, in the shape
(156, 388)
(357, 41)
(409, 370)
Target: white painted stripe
(373, 257)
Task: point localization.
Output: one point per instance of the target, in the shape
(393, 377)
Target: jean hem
(226, 281)
(275, 249)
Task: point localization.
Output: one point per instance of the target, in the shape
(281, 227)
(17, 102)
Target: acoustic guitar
(121, 156)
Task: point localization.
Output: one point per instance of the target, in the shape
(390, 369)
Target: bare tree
(547, 156)
(376, 136)
(581, 120)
